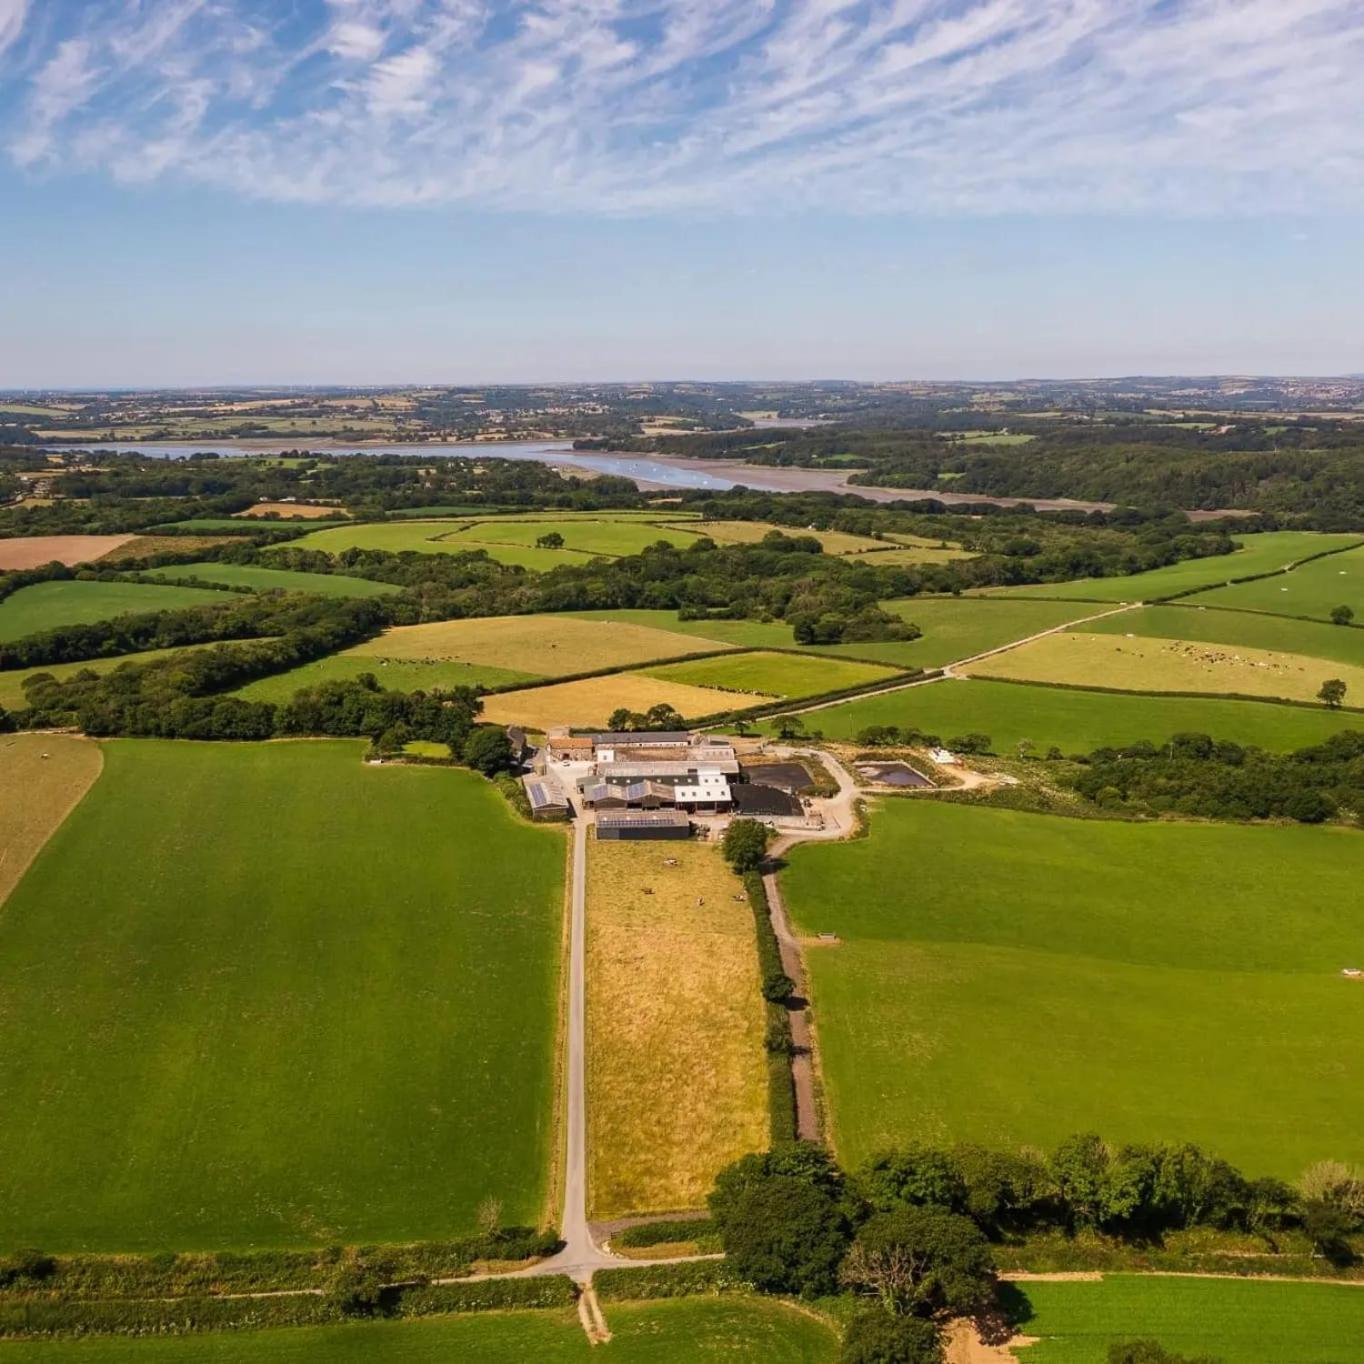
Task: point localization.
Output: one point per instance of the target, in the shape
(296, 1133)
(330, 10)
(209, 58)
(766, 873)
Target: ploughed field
(676, 1083)
(1071, 720)
(32, 551)
(677, 1331)
(1265, 552)
(263, 994)
(44, 606)
(1012, 978)
(1237, 1321)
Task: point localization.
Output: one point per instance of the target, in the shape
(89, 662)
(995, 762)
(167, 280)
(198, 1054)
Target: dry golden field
(29, 551)
(750, 532)
(301, 511)
(138, 546)
(1153, 664)
(546, 646)
(675, 1076)
(53, 771)
(591, 700)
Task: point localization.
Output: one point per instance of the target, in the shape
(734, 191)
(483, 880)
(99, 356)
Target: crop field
(724, 634)
(774, 675)
(274, 579)
(393, 674)
(140, 546)
(1149, 664)
(591, 700)
(1249, 628)
(293, 511)
(12, 679)
(1011, 979)
(53, 771)
(673, 1331)
(675, 1076)
(1315, 589)
(1262, 553)
(263, 994)
(1075, 721)
(44, 606)
(31, 551)
(236, 525)
(1237, 1321)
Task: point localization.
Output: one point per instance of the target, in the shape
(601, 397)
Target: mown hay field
(1315, 589)
(1011, 979)
(676, 1331)
(44, 777)
(293, 511)
(545, 646)
(1265, 552)
(44, 606)
(1237, 1321)
(762, 675)
(141, 546)
(1153, 664)
(260, 579)
(590, 701)
(31, 551)
(1074, 721)
(676, 1083)
(264, 994)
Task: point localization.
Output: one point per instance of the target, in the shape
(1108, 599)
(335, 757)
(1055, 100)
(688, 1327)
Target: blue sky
(204, 191)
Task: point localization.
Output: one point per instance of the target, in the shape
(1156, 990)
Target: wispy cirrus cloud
(640, 106)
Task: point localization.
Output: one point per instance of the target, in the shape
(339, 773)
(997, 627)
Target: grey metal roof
(643, 736)
(542, 795)
(620, 819)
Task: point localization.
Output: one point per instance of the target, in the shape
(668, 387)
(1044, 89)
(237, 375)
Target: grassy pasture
(1151, 664)
(1011, 978)
(44, 606)
(675, 1331)
(12, 679)
(750, 532)
(591, 700)
(393, 674)
(777, 675)
(263, 994)
(1252, 629)
(1315, 589)
(675, 1075)
(1075, 721)
(953, 628)
(31, 551)
(1238, 1321)
(1261, 553)
(274, 579)
(54, 771)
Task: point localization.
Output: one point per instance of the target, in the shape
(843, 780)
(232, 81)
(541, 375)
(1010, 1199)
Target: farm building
(569, 747)
(547, 803)
(635, 825)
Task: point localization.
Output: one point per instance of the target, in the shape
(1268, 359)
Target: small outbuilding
(547, 802)
(635, 825)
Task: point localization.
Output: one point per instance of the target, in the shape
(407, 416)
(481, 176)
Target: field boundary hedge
(681, 1280)
(796, 706)
(779, 1044)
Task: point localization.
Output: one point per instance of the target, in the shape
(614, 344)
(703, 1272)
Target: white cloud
(639, 106)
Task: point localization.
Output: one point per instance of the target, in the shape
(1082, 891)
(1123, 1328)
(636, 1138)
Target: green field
(12, 680)
(676, 1331)
(1314, 590)
(1238, 1321)
(953, 628)
(263, 994)
(784, 675)
(1074, 721)
(1012, 978)
(44, 606)
(275, 580)
(393, 674)
(508, 541)
(1262, 553)
(1341, 644)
